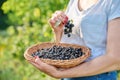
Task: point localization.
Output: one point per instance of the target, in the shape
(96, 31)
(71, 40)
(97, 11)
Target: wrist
(57, 31)
(58, 36)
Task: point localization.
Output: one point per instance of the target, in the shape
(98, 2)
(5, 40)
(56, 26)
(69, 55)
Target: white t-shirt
(91, 25)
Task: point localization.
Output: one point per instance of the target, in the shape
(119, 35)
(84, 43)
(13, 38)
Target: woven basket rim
(61, 62)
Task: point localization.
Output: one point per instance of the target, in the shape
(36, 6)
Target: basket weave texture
(58, 63)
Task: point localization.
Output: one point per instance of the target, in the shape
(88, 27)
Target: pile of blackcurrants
(59, 53)
(68, 28)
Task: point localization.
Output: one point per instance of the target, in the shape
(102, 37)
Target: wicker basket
(58, 63)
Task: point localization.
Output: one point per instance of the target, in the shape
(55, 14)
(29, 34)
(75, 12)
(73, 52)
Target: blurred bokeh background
(22, 24)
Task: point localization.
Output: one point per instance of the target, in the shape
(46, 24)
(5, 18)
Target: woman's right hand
(58, 17)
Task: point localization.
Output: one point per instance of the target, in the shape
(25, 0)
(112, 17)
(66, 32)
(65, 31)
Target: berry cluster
(68, 27)
(59, 53)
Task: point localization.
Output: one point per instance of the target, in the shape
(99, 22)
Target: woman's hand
(57, 22)
(47, 69)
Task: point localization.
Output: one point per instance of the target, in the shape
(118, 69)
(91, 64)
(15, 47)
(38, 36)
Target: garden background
(22, 24)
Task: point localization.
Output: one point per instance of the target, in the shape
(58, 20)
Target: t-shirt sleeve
(114, 11)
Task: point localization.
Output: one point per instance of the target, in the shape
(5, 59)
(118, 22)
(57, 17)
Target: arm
(58, 30)
(58, 36)
(108, 62)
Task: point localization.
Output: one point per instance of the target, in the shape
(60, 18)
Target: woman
(97, 26)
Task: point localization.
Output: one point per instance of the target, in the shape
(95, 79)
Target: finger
(52, 22)
(63, 18)
(34, 64)
(30, 61)
(53, 15)
(56, 22)
(47, 68)
(39, 62)
(59, 12)
(60, 15)
(58, 19)
(61, 69)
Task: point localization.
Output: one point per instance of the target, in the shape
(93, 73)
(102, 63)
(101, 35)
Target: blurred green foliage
(22, 24)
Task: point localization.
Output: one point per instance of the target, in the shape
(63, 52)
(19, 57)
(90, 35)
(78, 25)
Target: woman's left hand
(47, 69)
